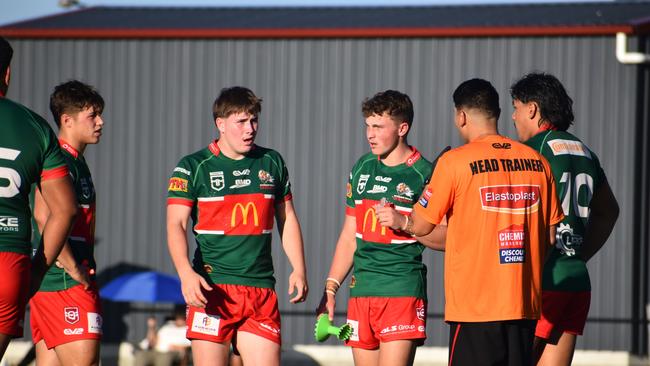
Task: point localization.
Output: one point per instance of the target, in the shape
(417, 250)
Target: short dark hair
(236, 99)
(555, 105)
(478, 94)
(6, 52)
(72, 97)
(396, 104)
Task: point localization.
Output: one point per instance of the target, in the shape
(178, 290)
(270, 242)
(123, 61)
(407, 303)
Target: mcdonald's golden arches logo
(373, 226)
(244, 211)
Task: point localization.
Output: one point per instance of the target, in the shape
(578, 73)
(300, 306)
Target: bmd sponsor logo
(512, 199)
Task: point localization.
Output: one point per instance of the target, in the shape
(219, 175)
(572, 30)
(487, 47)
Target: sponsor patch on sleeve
(177, 185)
(424, 198)
(182, 170)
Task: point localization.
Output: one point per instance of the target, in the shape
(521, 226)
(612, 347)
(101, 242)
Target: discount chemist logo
(512, 199)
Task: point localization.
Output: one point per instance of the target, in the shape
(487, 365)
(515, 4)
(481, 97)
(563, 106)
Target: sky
(16, 10)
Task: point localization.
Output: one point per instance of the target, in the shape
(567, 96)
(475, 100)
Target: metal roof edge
(267, 33)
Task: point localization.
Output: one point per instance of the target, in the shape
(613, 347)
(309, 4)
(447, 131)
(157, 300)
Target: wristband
(333, 280)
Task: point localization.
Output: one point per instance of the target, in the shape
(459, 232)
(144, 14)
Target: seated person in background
(167, 346)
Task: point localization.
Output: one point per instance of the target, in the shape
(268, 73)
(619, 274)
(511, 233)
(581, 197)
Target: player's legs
(44, 356)
(258, 350)
(4, 342)
(14, 290)
(84, 352)
(397, 353)
(207, 353)
(558, 352)
(365, 357)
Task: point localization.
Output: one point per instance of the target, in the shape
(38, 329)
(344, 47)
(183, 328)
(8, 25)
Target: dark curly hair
(398, 105)
(555, 105)
(479, 94)
(72, 97)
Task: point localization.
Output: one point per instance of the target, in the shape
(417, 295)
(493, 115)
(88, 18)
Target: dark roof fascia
(538, 31)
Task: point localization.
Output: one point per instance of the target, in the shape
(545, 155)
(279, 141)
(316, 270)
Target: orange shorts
(564, 312)
(14, 290)
(233, 308)
(385, 319)
(65, 316)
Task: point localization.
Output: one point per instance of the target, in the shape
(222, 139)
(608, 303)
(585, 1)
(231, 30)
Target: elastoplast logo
(177, 185)
(370, 213)
(244, 211)
(512, 199)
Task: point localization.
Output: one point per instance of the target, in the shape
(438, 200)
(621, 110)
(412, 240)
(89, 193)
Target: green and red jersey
(29, 153)
(577, 174)
(82, 235)
(233, 206)
(387, 262)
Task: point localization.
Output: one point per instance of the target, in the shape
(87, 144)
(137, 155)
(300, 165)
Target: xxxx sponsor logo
(177, 185)
(512, 199)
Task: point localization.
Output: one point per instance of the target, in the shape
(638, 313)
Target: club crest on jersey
(71, 314)
(404, 190)
(217, 181)
(361, 185)
(266, 179)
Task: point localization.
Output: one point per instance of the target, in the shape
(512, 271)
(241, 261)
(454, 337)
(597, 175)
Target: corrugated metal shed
(159, 94)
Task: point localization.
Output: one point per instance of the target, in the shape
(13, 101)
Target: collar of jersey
(66, 146)
(214, 149)
(412, 159)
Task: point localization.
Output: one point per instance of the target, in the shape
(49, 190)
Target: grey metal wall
(159, 95)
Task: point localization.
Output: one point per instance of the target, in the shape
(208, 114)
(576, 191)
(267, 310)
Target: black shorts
(502, 343)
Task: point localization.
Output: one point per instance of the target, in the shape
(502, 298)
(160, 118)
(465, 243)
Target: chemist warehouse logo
(512, 199)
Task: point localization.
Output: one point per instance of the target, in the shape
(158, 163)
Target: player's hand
(389, 217)
(298, 283)
(79, 273)
(327, 305)
(192, 286)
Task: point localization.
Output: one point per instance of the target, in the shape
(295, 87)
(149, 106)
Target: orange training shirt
(499, 197)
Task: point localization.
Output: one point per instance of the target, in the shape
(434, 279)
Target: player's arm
(289, 229)
(192, 283)
(604, 213)
(59, 197)
(437, 238)
(66, 258)
(389, 217)
(341, 265)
